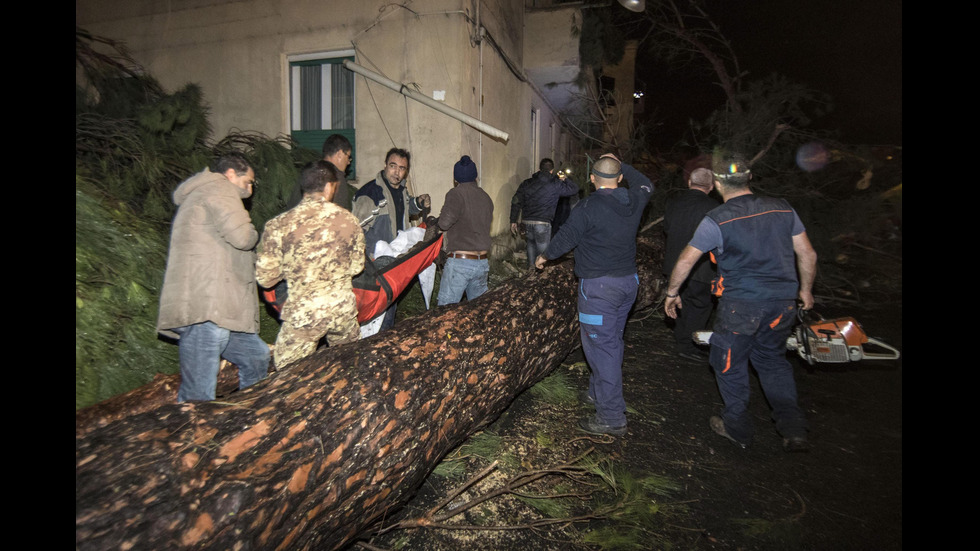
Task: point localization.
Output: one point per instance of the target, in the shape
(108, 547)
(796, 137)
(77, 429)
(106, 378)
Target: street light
(633, 5)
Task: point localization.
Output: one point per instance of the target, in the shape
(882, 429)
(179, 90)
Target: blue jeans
(755, 332)
(202, 346)
(604, 304)
(538, 236)
(463, 275)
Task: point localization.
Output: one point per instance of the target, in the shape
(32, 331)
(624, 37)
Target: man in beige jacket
(209, 299)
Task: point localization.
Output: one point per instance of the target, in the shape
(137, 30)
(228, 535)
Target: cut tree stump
(321, 452)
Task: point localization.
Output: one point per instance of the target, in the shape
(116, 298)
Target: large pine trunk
(315, 455)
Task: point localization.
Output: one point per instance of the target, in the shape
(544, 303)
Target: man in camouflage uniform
(317, 247)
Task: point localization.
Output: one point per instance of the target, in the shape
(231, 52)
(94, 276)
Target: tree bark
(316, 454)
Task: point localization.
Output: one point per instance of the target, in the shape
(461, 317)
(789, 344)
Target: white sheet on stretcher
(405, 240)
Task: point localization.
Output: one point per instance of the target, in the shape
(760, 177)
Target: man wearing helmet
(760, 244)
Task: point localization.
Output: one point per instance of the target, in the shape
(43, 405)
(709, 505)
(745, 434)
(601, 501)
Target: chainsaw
(838, 340)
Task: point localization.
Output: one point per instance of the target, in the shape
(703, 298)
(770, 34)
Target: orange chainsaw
(839, 340)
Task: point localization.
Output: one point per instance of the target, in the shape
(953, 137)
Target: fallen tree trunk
(315, 455)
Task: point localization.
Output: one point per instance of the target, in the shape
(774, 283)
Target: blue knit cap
(464, 170)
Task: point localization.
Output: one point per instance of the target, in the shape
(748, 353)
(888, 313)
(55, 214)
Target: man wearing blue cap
(465, 217)
(602, 230)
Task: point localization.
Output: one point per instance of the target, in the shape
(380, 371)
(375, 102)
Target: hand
(671, 305)
(539, 262)
(513, 228)
(806, 297)
(425, 201)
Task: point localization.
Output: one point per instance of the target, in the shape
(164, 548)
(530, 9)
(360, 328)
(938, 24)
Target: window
(321, 100)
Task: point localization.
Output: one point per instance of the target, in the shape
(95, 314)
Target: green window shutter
(322, 103)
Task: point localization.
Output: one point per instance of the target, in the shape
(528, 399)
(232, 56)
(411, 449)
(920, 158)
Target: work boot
(594, 426)
(718, 425)
(796, 444)
(585, 398)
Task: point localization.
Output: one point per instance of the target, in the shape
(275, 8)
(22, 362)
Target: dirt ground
(846, 493)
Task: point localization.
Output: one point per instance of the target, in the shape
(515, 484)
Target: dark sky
(851, 50)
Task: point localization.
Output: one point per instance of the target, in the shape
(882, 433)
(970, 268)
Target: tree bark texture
(320, 452)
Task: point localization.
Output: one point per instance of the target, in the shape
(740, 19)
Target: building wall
(238, 51)
(620, 117)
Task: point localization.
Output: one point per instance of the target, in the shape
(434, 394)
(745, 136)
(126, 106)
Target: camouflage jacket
(317, 247)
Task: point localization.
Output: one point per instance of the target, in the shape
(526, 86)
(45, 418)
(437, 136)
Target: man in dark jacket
(535, 203)
(336, 149)
(602, 230)
(209, 298)
(682, 215)
(466, 216)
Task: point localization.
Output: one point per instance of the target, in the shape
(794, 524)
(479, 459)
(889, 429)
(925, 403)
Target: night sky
(851, 50)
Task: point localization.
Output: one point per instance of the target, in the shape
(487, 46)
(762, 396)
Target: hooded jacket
(602, 229)
(211, 265)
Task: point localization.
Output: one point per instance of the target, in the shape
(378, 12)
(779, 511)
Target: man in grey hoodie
(209, 299)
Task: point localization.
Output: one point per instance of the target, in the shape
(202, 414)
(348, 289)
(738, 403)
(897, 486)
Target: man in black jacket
(682, 215)
(535, 203)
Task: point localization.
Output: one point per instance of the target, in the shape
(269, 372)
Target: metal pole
(442, 108)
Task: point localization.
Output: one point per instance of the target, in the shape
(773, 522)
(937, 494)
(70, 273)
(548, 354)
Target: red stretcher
(377, 286)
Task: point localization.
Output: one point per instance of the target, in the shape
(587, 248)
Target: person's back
(606, 223)
(757, 261)
(319, 248)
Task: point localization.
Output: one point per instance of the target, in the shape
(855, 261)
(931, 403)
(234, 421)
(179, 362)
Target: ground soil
(846, 493)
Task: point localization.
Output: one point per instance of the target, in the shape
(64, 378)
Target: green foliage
(119, 261)
(556, 389)
(637, 519)
(134, 144)
(485, 445)
(550, 507)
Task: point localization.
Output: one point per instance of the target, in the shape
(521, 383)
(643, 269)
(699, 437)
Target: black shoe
(591, 425)
(584, 397)
(718, 426)
(696, 356)
(796, 444)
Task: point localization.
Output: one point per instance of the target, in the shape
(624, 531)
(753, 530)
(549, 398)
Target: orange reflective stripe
(728, 361)
(711, 255)
(775, 322)
(718, 286)
(753, 215)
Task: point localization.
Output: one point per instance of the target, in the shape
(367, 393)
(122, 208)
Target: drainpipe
(442, 108)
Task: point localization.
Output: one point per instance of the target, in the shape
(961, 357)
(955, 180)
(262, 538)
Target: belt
(536, 222)
(469, 256)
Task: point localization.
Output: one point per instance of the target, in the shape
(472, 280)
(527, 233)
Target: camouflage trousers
(303, 328)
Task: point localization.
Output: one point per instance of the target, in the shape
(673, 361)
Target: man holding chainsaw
(317, 247)
(760, 245)
(387, 194)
